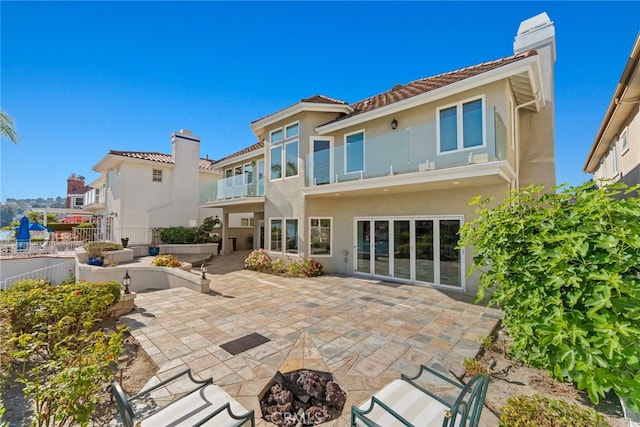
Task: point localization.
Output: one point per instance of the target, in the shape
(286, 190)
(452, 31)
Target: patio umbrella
(74, 219)
(36, 226)
(23, 236)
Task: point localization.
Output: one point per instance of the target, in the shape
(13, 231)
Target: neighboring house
(138, 191)
(615, 153)
(75, 191)
(379, 188)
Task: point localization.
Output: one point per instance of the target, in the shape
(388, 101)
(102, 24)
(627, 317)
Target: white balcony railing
(95, 196)
(407, 150)
(244, 185)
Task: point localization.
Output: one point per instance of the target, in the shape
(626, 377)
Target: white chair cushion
(196, 406)
(413, 405)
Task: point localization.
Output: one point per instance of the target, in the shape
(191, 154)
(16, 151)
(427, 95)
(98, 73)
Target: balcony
(239, 189)
(95, 199)
(410, 157)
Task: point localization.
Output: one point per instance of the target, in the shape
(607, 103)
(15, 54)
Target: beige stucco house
(137, 191)
(379, 188)
(615, 153)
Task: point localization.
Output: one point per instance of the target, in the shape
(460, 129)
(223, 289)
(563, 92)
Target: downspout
(517, 137)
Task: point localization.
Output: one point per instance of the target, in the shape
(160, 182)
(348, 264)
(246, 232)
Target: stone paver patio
(366, 332)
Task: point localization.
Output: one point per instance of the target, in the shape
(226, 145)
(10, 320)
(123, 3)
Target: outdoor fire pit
(303, 397)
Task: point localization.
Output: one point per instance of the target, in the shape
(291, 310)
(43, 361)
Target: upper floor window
(78, 201)
(157, 175)
(614, 158)
(292, 130)
(276, 136)
(284, 154)
(354, 146)
(460, 126)
(624, 141)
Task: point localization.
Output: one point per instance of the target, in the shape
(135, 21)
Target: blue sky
(81, 78)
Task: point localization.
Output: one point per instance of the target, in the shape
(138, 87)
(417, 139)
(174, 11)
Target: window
(460, 126)
(157, 175)
(354, 146)
(238, 176)
(79, 201)
(248, 173)
(624, 141)
(246, 222)
(291, 235)
(228, 175)
(276, 162)
(614, 158)
(292, 130)
(291, 159)
(276, 235)
(276, 136)
(285, 153)
(320, 236)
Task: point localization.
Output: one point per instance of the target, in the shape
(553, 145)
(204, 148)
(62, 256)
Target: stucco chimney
(538, 33)
(186, 155)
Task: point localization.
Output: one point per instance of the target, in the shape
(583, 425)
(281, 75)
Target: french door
(416, 249)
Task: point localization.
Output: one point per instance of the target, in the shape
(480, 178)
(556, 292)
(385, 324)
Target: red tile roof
(316, 99)
(159, 157)
(258, 145)
(322, 99)
(401, 92)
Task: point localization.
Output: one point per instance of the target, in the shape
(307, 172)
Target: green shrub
(96, 248)
(259, 260)
(53, 329)
(166, 261)
(539, 411)
(565, 270)
(178, 235)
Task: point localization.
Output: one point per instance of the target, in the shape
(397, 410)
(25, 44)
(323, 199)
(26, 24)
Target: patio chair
(206, 405)
(404, 402)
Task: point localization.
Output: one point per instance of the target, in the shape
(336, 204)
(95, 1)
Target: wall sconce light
(394, 124)
(204, 270)
(126, 281)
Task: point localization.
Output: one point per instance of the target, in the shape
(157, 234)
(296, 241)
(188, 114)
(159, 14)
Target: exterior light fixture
(204, 270)
(126, 281)
(394, 124)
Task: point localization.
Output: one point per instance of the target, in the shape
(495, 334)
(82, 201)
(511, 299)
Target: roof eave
(529, 64)
(241, 158)
(630, 70)
(295, 109)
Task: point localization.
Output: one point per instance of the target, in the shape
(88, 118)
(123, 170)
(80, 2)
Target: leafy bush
(259, 260)
(184, 235)
(85, 225)
(53, 328)
(178, 235)
(566, 272)
(166, 261)
(539, 411)
(97, 249)
(311, 267)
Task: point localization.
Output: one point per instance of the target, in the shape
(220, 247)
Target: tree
(564, 267)
(7, 128)
(6, 215)
(39, 217)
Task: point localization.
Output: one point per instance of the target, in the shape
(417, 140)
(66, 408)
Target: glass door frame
(391, 250)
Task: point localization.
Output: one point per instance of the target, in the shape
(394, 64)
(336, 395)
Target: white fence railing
(136, 236)
(55, 274)
(38, 248)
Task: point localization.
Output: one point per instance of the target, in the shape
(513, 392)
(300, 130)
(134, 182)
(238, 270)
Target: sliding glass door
(417, 249)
